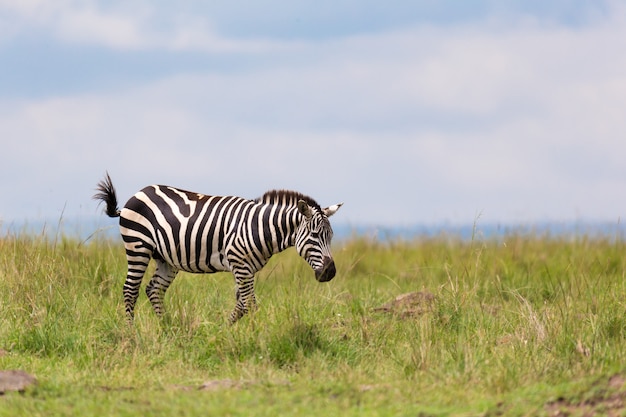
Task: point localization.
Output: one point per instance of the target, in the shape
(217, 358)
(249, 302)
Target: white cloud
(137, 25)
(73, 21)
(424, 124)
(90, 26)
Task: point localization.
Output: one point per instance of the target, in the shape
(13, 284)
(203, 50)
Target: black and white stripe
(186, 231)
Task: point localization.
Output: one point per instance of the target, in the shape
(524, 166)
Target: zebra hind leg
(160, 282)
(136, 271)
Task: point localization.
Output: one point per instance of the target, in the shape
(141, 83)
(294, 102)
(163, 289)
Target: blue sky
(409, 112)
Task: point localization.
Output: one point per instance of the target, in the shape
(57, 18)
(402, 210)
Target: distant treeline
(105, 228)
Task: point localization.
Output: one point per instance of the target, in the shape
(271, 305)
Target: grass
(525, 325)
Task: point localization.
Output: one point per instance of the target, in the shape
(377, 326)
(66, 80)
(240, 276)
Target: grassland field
(518, 326)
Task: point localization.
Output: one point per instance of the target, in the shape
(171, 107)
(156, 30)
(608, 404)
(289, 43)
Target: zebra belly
(186, 230)
(184, 249)
(216, 262)
(200, 257)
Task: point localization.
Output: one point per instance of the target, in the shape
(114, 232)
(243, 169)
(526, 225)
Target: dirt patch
(617, 381)
(409, 304)
(15, 380)
(114, 389)
(219, 384)
(609, 402)
(224, 384)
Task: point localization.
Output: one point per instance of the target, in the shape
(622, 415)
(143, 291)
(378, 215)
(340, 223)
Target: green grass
(522, 326)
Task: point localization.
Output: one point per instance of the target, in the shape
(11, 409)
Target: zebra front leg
(158, 285)
(246, 300)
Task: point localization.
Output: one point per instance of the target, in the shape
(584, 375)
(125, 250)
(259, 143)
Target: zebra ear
(304, 209)
(329, 211)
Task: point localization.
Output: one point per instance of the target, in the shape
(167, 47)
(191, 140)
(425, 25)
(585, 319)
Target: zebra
(197, 233)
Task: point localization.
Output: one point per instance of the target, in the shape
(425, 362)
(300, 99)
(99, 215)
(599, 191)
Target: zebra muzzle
(327, 271)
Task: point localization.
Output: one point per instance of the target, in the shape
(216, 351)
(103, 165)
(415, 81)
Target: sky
(409, 112)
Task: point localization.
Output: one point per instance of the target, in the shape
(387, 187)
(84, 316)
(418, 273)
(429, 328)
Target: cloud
(124, 26)
(419, 124)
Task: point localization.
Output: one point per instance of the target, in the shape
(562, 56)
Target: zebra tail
(106, 194)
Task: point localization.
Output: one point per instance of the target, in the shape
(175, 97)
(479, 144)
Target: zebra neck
(286, 226)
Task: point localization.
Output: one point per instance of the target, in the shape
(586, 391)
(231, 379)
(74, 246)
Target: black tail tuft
(106, 193)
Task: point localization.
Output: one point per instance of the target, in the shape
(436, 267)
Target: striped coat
(198, 233)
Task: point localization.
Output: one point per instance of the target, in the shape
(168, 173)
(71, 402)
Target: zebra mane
(286, 198)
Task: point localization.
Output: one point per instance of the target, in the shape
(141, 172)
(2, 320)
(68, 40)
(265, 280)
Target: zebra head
(313, 239)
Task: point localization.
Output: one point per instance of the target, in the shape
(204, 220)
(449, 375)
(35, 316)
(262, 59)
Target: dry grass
(523, 326)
